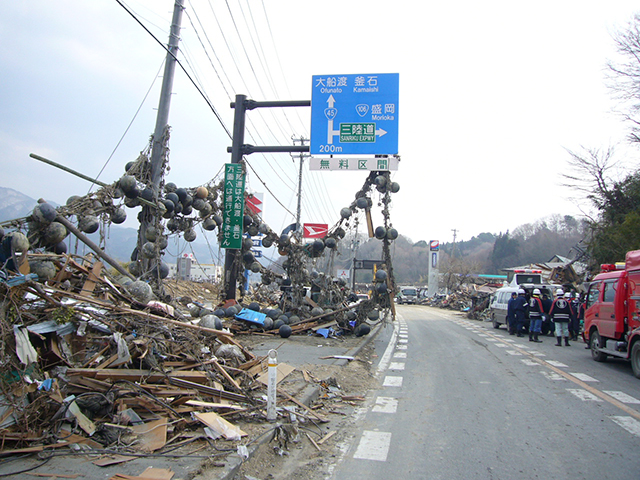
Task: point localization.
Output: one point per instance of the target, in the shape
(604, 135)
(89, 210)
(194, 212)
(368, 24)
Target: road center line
(607, 398)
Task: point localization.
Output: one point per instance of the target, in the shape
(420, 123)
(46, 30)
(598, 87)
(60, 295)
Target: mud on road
(342, 391)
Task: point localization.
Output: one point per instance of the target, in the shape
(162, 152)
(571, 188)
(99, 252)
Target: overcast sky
(491, 95)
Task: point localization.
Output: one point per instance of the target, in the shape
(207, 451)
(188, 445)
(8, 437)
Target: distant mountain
(14, 204)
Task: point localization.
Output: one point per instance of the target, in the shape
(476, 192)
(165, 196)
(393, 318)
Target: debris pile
(85, 360)
(472, 299)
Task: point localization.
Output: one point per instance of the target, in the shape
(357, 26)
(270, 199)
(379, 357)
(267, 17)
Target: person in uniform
(561, 313)
(535, 316)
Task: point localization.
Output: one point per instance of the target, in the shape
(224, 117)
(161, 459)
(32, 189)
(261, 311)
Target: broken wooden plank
(149, 376)
(220, 425)
(226, 375)
(152, 436)
(327, 437)
(92, 280)
(283, 371)
(213, 392)
(302, 405)
(313, 442)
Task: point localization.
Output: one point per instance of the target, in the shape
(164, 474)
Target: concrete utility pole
(162, 120)
(453, 251)
(299, 232)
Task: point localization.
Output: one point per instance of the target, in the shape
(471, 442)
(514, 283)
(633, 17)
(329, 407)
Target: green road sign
(233, 206)
(358, 132)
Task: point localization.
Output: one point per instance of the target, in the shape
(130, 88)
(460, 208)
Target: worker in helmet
(535, 316)
(574, 325)
(520, 307)
(561, 313)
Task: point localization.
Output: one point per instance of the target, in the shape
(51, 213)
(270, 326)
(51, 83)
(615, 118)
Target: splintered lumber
(302, 405)
(211, 391)
(220, 425)
(314, 443)
(152, 436)
(326, 437)
(91, 282)
(226, 375)
(198, 403)
(116, 308)
(150, 376)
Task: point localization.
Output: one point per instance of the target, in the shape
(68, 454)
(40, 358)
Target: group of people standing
(564, 313)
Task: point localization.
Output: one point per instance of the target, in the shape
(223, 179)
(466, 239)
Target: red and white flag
(254, 203)
(315, 230)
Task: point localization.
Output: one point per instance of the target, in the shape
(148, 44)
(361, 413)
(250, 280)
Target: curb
(358, 348)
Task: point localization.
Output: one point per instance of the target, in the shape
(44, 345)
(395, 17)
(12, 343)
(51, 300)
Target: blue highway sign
(354, 114)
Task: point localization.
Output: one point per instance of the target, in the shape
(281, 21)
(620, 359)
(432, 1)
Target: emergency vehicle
(612, 309)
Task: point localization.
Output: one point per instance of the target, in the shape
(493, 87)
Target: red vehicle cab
(611, 320)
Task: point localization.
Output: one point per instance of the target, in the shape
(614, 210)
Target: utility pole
(453, 251)
(162, 119)
(299, 210)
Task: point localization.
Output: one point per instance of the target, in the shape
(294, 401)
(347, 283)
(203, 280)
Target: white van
(407, 295)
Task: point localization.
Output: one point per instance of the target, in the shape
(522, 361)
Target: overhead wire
(135, 115)
(289, 183)
(191, 79)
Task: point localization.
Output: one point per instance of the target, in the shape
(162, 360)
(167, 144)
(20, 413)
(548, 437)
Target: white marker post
(272, 385)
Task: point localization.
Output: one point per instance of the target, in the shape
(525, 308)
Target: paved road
(461, 400)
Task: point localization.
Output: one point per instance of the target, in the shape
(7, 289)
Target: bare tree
(591, 174)
(624, 75)
(457, 272)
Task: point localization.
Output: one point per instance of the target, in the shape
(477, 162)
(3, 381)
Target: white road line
(396, 366)
(552, 375)
(622, 397)
(385, 405)
(529, 362)
(491, 340)
(502, 345)
(403, 335)
(386, 357)
(584, 395)
(630, 424)
(401, 347)
(400, 355)
(390, 381)
(403, 340)
(556, 364)
(515, 353)
(584, 377)
(373, 446)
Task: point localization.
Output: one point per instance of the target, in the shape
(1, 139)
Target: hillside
(119, 241)
(484, 253)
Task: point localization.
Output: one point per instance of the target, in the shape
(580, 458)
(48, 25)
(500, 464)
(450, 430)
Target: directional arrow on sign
(380, 132)
(331, 113)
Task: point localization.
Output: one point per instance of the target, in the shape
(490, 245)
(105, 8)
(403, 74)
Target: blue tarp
(251, 316)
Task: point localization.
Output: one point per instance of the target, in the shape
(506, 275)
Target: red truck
(612, 312)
